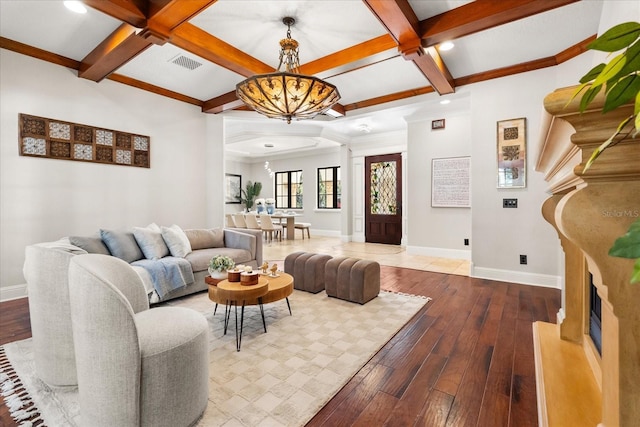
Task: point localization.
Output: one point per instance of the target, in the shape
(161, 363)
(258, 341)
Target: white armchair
(136, 366)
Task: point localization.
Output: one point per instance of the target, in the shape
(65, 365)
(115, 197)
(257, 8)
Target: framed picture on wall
(233, 184)
(512, 153)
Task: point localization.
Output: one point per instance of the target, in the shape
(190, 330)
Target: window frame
(337, 190)
(299, 195)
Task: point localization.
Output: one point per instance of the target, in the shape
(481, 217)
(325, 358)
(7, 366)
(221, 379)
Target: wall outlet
(466, 242)
(509, 203)
(523, 259)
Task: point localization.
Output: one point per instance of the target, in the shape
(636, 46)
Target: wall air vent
(185, 62)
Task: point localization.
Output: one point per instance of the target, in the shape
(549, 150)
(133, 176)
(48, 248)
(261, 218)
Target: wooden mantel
(590, 210)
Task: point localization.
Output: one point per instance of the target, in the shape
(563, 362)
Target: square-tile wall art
(56, 139)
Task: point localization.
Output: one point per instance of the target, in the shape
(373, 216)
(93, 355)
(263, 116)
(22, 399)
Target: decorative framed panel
(232, 185)
(451, 182)
(512, 153)
(57, 139)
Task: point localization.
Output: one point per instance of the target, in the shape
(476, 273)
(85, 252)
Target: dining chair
(252, 221)
(269, 228)
(238, 219)
(302, 226)
(228, 221)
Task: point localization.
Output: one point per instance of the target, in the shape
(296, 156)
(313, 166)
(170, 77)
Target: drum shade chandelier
(288, 94)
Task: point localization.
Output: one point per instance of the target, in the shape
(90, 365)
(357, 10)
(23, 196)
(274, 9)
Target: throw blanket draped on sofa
(168, 273)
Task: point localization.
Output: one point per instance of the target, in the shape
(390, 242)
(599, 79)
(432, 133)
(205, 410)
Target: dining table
(290, 225)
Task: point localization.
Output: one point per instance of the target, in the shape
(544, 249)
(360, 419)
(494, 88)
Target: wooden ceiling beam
(162, 17)
(199, 42)
(132, 12)
(167, 15)
(524, 67)
(351, 55)
(480, 15)
(403, 25)
(112, 53)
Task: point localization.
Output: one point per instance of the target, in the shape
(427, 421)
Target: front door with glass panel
(383, 199)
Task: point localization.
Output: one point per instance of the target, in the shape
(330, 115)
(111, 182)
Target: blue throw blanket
(168, 273)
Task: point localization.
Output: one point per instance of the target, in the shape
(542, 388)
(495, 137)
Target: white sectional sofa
(170, 261)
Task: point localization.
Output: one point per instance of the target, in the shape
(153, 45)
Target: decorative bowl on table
(249, 278)
(233, 275)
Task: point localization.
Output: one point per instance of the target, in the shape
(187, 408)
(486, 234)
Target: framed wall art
(512, 153)
(232, 185)
(57, 139)
(451, 182)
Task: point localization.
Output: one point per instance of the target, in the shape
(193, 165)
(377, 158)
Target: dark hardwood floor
(466, 359)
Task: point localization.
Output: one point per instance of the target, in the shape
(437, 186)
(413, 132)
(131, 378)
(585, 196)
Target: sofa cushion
(176, 240)
(151, 242)
(122, 244)
(93, 245)
(200, 259)
(201, 238)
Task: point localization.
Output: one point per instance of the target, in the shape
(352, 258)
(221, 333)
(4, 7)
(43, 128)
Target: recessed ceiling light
(445, 101)
(445, 46)
(75, 6)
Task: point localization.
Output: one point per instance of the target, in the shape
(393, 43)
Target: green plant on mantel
(250, 193)
(621, 79)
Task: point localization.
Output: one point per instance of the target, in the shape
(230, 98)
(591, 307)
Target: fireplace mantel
(590, 210)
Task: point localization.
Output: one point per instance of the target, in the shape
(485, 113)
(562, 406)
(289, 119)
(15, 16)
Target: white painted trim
(328, 233)
(440, 252)
(521, 277)
(8, 293)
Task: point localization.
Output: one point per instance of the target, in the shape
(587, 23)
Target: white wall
(501, 235)
(436, 231)
(45, 199)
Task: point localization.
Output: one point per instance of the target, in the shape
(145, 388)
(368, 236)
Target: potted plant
(218, 266)
(250, 193)
(620, 78)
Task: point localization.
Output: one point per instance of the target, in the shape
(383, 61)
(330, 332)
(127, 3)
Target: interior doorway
(383, 199)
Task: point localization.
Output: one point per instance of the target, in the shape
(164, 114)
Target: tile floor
(390, 255)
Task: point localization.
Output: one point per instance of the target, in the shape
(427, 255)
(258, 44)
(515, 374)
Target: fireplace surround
(589, 210)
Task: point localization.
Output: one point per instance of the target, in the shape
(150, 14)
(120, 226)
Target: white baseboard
(326, 233)
(8, 293)
(523, 278)
(439, 252)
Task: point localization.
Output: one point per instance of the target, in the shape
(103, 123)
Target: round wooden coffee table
(233, 293)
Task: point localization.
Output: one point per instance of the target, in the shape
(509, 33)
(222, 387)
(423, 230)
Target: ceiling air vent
(185, 62)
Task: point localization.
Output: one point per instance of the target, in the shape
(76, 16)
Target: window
(329, 188)
(289, 190)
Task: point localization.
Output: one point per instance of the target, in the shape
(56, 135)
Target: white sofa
(46, 272)
(143, 246)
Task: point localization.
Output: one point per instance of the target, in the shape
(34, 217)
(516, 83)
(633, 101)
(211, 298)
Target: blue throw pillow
(122, 244)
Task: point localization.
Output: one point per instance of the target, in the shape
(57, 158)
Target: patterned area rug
(281, 378)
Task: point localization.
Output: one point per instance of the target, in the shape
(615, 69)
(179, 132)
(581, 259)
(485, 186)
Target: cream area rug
(279, 378)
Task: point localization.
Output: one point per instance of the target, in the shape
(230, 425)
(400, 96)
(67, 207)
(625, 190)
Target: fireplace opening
(595, 315)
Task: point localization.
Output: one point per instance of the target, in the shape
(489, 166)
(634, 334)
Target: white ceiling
(322, 28)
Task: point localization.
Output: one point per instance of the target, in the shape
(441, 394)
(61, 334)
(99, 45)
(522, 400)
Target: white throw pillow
(176, 240)
(151, 242)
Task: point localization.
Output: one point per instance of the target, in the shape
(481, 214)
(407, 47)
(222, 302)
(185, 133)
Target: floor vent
(185, 62)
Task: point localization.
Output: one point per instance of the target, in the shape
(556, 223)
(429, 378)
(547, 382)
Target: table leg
(289, 306)
(239, 335)
(227, 314)
(264, 323)
(291, 231)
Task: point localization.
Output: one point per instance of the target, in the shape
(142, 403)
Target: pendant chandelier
(287, 94)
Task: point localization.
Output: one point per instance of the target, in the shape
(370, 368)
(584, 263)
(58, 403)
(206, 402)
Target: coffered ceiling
(379, 53)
